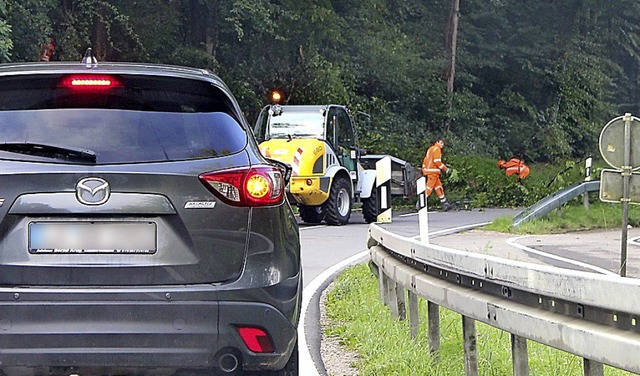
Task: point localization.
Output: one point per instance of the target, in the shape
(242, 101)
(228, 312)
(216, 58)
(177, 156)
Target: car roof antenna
(89, 59)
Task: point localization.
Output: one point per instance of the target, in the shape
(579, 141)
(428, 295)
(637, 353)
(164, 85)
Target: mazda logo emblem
(93, 191)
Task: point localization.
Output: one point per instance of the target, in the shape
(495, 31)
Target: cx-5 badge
(93, 191)
(200, 205)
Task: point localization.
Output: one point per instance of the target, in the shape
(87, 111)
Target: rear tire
(311, 214)
(370, 206)
(338, 206)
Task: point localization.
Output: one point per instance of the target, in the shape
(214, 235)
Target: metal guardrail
(555, 201)
(591, 315)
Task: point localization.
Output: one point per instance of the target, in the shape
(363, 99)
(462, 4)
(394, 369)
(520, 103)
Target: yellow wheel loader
(329, 172)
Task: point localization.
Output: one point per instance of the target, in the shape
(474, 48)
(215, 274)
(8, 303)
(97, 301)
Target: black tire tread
(370, 206)
(332, 215)
(310, 214)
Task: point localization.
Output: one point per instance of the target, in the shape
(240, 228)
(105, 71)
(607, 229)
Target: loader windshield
(297, 124)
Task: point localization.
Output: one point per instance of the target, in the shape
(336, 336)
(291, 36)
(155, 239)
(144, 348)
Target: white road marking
(311, 227)
(512, 242)
(307, 367)
(452, 230)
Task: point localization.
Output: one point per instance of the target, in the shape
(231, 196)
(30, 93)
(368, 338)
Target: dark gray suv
(141, 230)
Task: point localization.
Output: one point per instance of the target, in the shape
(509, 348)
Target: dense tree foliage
(533, 79)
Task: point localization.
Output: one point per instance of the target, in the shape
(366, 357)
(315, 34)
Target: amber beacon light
(276, 96)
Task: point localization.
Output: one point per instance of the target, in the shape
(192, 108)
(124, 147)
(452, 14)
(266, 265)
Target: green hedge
(479, 181)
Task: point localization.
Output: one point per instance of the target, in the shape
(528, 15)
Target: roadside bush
(479, 180)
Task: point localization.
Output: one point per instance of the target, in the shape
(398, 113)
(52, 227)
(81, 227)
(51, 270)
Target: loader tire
(338, 207)
(311, 214)
(370, 206)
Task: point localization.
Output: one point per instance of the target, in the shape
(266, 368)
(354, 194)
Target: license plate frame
(92, 237)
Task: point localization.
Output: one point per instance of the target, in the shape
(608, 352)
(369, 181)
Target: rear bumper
(157, 332)
(310, 195)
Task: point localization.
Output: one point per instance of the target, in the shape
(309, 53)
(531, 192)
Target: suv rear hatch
(100, 180)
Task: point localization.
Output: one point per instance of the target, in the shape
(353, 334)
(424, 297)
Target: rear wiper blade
(50, 151)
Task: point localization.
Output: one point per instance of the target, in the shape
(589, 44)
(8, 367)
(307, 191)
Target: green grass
(364, 325)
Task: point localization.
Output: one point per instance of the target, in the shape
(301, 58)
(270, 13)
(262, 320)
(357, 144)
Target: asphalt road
(325, 246)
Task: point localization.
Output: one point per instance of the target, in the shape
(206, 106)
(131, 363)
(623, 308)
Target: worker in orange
(48, 49)
(432, 167)
(514, 166)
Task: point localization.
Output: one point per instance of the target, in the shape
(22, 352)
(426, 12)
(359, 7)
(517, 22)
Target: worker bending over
(514, 166)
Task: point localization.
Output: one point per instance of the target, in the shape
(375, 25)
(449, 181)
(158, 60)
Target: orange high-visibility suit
(47, 50)
(515, 166)
(432, 166)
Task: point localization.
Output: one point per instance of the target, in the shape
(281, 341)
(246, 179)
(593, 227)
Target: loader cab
(290, 122)
(341, 137)
(331, 124)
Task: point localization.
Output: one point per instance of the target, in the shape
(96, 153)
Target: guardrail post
(593, 368)
(383, 185)
(470, 346)
(433, 313)
(401, 302)
(393, 298)
(414, 315)
(383, 283)
(520, 355)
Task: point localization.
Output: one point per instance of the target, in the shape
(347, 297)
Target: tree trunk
(101, 38)
(451, 46)
(198, 24)
(213, 30)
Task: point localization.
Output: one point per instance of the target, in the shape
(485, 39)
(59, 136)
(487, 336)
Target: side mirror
(356, 153)
(275, 110)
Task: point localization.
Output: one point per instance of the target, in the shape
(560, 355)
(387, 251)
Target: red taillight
(90, 82)
(256, 339)
(256, 186)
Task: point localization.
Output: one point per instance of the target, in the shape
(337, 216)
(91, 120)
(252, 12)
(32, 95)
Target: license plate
(92, 237)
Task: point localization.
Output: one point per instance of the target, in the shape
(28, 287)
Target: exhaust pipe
(228, 363)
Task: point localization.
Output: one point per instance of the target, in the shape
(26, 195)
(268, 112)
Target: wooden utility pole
(101, 36)
(451, 41)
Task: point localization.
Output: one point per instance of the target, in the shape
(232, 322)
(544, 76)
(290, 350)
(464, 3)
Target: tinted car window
(119, 136)
(138, 119)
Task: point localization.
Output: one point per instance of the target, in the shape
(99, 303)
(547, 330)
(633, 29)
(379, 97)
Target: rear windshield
(124, 136)
(144, 119)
